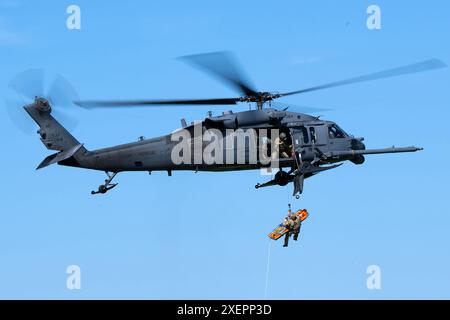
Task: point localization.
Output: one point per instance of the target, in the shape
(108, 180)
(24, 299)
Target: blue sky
(204, 235)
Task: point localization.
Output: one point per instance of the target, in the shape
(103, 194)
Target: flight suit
(281, 145)
(297, 226)
(288, 224)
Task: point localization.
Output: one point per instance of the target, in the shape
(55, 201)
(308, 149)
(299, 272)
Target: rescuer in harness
(292, 223)
(291, 226)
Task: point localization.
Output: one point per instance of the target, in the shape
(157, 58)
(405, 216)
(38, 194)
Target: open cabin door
(300, 139)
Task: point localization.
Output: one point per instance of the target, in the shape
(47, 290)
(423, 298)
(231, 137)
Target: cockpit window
(335, 132)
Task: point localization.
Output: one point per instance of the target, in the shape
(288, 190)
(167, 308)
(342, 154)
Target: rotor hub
(260, 98)
(42, 104)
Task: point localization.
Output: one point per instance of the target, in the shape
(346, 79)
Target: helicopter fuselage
(312, 140)
(263, 138)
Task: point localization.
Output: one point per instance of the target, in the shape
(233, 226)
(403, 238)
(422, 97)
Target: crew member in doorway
(282, 145)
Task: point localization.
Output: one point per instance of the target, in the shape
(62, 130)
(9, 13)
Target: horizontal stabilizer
(59, 156)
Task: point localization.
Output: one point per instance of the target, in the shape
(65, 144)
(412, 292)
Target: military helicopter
(312, 145)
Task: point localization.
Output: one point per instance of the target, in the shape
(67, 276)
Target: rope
(267, 270)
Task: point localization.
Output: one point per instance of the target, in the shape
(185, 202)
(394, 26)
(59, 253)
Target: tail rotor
(30, 86)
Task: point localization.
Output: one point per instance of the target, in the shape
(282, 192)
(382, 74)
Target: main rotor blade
(88, 104)
(408, 69)
(296, 108)
(224, 66)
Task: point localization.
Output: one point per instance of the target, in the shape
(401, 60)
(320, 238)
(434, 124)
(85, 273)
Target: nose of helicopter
(357, 144)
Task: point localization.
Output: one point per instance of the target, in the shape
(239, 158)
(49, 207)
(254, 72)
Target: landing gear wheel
(282, 178)
(103, 188)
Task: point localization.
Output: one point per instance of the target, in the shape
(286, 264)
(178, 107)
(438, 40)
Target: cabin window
(312, 132)
(304, 135)
(335, 132)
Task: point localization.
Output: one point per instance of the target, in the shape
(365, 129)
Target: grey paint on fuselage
(155, 154)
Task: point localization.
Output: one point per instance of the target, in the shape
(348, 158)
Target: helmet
(294, 217)
(283, 135)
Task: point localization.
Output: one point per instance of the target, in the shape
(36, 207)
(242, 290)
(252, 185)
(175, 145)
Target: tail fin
(54, 136)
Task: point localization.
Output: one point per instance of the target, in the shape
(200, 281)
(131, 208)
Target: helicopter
(310, 145)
